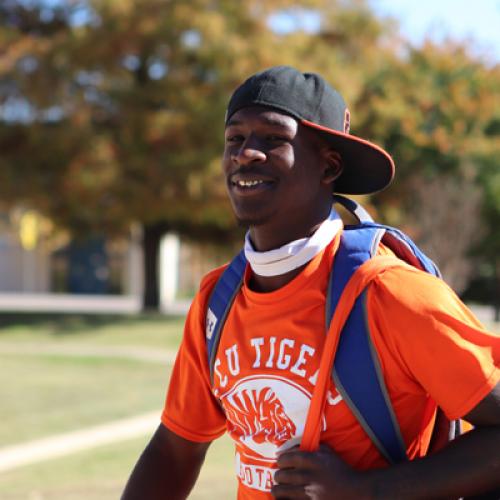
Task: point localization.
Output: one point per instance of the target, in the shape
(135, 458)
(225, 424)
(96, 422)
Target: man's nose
(249, 152)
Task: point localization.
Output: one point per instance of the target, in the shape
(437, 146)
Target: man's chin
(252, 216)
(251, 221)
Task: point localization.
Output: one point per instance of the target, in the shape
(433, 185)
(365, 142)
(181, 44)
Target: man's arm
(168, 468)
(469, 465)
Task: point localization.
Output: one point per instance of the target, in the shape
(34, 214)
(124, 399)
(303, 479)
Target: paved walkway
(485, 314)
(60, 445)
(14, 456)
(138, 354)
(81, 303)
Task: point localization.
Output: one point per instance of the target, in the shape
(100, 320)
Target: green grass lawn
(48, 387)
(60, 373)
(54, 394)
(46, 390)
(101, 474)
(155, 331)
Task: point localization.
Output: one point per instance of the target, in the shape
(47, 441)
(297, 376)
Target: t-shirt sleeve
(437, 343)
(191, 410)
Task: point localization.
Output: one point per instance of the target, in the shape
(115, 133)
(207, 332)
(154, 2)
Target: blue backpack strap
(353, 207)
(219, 305)
(405, 249)
(356, 246)
(356, 371)
(395, 239)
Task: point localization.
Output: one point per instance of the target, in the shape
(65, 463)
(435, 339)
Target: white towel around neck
(294, 254)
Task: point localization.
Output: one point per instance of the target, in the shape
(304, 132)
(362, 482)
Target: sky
(460, 19)
(437, 19)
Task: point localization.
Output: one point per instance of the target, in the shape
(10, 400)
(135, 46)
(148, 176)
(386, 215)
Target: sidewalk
(485, 314)
(61, 445)
(86, 304)
(161, 356)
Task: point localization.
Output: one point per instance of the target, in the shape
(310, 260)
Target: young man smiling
(287, 149)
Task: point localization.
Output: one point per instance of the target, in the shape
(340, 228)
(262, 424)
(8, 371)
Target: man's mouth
(247, 184)
(250, 184)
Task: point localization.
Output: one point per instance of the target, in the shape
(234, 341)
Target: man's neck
(267, 237)
(262, 278)
(266, 284)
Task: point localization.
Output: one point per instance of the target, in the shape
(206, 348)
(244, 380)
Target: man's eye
(234, 138)
(277, 138)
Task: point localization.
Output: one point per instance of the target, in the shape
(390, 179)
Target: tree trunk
(496, 288)
(151, 246)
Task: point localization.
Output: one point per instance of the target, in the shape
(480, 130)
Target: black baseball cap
(314, 103)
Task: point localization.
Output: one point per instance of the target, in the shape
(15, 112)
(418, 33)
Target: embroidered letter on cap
(347, 121)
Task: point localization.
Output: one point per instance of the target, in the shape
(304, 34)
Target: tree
(447, 224)
(113, 111)
(121, 98)
(434, 109)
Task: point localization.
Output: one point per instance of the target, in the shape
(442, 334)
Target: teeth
(248, 183)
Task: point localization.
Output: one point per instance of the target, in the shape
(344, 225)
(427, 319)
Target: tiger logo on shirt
(260, 414)
(266, 414)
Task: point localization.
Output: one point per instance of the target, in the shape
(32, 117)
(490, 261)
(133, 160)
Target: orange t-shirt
(266, 366)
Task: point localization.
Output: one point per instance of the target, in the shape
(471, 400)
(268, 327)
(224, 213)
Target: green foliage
(120, 107)
(436, 110)
(433, 109)
(126, 110)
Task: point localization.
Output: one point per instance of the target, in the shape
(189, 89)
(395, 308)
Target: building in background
(42, 269)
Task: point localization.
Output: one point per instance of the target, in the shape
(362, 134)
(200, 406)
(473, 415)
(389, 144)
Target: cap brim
(367, 167)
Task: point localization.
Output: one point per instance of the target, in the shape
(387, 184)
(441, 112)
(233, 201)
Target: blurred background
(112, 205)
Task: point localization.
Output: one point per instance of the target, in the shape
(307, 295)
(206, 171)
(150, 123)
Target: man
(287, 149)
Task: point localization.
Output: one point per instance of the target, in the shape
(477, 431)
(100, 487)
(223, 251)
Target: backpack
(356, 369)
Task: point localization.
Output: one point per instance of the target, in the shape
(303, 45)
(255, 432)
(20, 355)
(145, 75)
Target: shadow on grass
(72, 323)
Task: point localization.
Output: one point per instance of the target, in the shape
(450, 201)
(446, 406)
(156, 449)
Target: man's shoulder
(393, 278)
(199, 305)
(415, 293)
(209, 280)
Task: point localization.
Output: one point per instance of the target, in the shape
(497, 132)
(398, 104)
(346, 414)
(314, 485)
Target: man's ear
(333, 165)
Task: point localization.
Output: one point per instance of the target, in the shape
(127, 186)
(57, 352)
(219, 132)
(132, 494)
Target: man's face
(273, 166)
